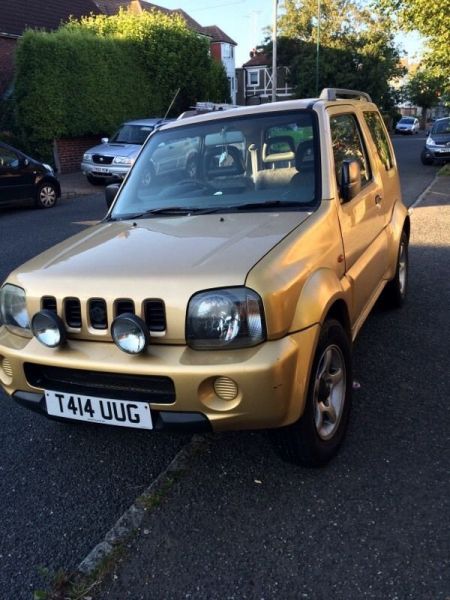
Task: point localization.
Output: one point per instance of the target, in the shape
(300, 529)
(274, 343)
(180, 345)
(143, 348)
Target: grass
(445, 170)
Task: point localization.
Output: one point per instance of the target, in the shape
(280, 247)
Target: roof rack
(338, 93)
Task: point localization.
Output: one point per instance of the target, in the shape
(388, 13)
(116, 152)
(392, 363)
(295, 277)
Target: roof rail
(338, 93)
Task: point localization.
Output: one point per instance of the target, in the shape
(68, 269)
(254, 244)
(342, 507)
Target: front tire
(46, 195)
(95, 180)
(426, 160)
(315, 438)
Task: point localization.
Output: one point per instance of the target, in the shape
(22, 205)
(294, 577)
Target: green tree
(432, 20)
(424, 89)
(356, 50)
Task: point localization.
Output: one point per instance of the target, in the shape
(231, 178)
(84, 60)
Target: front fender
(319, 292)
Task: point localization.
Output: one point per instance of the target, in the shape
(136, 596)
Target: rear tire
(394, 294)
(315, 438)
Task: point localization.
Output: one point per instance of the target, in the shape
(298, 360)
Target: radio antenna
(171, 104)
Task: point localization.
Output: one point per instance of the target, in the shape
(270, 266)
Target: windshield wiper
(268, 204)
(169, 210)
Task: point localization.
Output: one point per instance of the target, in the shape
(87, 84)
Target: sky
(244, 21)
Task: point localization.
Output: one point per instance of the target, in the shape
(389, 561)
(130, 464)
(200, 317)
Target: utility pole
(274, 52)
(318, 47)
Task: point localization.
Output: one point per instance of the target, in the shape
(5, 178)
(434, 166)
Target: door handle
(378, 199)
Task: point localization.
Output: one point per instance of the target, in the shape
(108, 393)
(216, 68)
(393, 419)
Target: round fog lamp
(130, 333)
(48, 328)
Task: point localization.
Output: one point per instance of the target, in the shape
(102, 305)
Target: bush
(92, 74)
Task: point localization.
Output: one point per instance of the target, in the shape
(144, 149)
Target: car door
(14, 176)
(362, 228)
(383, 153)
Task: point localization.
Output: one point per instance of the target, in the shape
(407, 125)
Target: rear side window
(379, 137)
(348, 144)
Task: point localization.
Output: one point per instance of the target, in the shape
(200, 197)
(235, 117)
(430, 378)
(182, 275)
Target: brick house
(18, 15)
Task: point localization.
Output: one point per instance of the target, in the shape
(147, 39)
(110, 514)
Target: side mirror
(111, 192)
(350, 179)
(26, 162)
(104, 140)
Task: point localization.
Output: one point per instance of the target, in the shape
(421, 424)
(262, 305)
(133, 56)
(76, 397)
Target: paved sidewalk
(76, 184)
(222, 532)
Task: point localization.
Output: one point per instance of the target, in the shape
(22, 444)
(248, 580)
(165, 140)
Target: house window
(253, 78)
(226, 50)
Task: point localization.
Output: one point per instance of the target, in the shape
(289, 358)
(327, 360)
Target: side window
(379, 137)
(8, 158)
(348, 144)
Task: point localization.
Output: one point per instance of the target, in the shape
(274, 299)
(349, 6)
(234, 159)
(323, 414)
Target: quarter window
(348, 144)
(379, 137)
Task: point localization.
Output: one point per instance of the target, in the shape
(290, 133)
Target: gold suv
(223, 296)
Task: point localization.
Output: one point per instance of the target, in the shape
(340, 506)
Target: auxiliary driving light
(48, 328)
(130, 333)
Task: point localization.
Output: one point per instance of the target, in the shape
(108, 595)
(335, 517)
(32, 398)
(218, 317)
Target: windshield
(132, 134)
(441, 126)
(407, 121)
(267, 161)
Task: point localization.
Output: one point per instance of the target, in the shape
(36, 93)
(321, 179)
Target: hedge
(90, 75)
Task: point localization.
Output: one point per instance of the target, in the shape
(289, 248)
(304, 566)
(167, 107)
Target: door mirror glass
(350, 179)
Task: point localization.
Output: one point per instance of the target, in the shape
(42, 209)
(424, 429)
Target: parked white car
(407, 125)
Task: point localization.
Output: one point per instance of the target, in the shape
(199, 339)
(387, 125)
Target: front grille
(72, 312)
(153, 312)
(48, 303)
(100, 159)
(98, 315)
(124, 305)
(155, 315)
(143, 388)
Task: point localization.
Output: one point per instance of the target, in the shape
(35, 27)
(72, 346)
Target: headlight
(430, 142)
(87, 157)
(123, 160)
(48, 168)
(130, 333)
(13, 309)
(48, 328)
(227, 318)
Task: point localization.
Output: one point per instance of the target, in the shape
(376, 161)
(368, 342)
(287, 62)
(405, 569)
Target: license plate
(101, 170)
(99, 410)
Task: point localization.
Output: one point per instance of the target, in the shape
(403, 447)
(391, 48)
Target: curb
(422, 195)
(132, 518)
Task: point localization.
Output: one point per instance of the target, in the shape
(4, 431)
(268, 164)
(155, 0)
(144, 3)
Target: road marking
(86, 223)
(422, 195)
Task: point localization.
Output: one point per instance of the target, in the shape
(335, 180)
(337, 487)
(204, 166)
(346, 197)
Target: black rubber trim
(189, 422)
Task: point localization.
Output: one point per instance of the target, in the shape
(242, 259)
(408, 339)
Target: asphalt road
(63, 487)
(414, 176)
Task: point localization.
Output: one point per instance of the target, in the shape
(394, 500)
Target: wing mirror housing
(111, 193)
(104, 140)
(350, 179)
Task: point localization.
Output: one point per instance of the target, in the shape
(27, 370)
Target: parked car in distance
(23, 178)
(437, 144)
(113, 158)
(407, 125)
(225, 300)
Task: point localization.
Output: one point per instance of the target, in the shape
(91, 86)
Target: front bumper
(112, 170)
(437, 152)
(271, 378)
